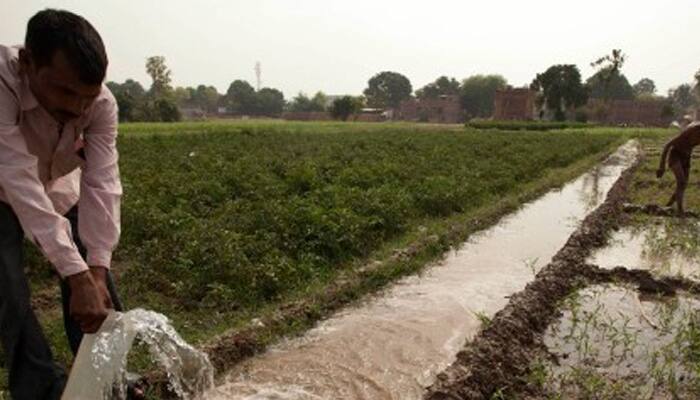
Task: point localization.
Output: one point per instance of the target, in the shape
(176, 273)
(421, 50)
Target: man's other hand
(660, 172)
(89, 301)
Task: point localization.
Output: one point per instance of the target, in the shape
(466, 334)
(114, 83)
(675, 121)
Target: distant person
(678, 151)
(59, 187)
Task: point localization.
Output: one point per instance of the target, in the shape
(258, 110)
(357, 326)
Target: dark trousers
(33, 375)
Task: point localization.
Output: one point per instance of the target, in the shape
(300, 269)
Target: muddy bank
(502, 351)
(656, 211)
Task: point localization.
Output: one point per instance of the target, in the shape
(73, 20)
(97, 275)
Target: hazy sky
(336, 46)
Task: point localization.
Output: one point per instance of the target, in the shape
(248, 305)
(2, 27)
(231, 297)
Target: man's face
(57, 87)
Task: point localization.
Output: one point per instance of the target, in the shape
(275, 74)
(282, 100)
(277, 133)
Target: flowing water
(392, 346)
(99, 371)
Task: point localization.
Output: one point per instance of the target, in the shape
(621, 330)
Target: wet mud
(657, 211)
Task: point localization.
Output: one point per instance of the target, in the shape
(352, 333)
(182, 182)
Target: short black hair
(51, 30)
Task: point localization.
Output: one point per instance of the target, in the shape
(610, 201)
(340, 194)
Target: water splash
(99, 371)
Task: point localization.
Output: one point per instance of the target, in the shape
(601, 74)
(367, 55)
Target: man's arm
(100, 187)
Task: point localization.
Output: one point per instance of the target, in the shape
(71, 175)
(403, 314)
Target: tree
(387, 90)
(697, 86)
(612, 63)
(560, 89)
(167, 110)
(160, 74)
(131, 97)
(681, 99)
(206, 98)
(241, 98)
(302, 103)
(610, 86)
(183, 96)
(442, 86)
(344, 107)
(319, 101)
(645, 87)
(608, 82)
(477, 94)
(270, 102)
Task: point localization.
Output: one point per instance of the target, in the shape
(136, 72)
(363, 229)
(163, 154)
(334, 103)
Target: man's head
(64, 61)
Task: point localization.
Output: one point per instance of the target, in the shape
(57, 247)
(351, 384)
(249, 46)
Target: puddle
(666, 248)
(613, 344)
(393, 346)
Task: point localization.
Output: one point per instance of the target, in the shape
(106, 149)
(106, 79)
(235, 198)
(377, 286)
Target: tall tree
(560, 89)
(608, 82)
(387, 89)
(442, 86)
(697, 86)
(270, 102)
(682, 99)
(206, 98)
(130, 97)
(183, 96)
(302, 103)
(160, 74)
(241, 98)
(477, 94)
(344, 107)
(645, 87)
(611, 63)
(610, 86)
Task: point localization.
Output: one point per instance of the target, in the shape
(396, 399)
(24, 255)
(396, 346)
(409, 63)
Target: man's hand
(89, 301)
(660, 172)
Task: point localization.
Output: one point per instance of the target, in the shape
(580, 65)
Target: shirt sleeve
(25, 193)
(99, 217)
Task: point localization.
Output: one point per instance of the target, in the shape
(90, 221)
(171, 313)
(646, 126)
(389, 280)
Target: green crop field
(225, 221)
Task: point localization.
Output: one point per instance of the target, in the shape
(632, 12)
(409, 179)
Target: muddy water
(392, 346)
(623, 346)
(666, 247)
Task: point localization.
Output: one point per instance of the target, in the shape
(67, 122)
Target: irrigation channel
(392, 346)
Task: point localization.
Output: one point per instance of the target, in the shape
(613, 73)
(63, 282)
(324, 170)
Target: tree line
(561, 92)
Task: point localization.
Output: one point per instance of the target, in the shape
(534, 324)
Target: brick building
(629, 112)
(445, 109)
(514, 104)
